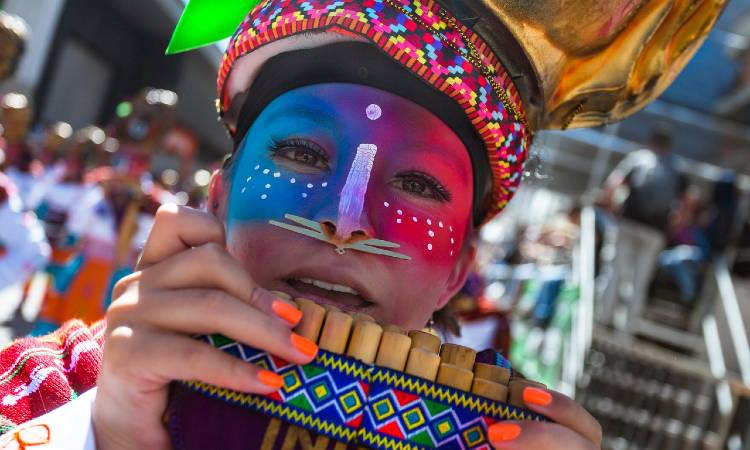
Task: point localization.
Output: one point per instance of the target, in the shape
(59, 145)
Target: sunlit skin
(296, 159)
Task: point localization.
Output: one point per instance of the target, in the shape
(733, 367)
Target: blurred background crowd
(618, 274)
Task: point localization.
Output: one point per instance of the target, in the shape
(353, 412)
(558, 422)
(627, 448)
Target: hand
(573, 427)
(185, 284)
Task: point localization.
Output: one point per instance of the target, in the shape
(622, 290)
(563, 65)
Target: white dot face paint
(257, 167)
(451, 228)
(400, 213)
(304, 195)
(398, 220)
(453, 241)
(414, 219)
(429, 247)
(266, 171)
(243, 190)
(268, 186)
(374, 112)
(440, 224)
(277, 174)
(431, 233)
(263, 197)
(248, 179)
(429, 222)
(325, 184)
(310, 185)
(386, 204)
(293, 180)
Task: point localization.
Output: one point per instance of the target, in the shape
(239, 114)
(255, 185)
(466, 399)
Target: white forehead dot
(386, 204)
(263, 197)
(266, 171)
(276, 174)
(374, 112)
(293, 180)
(431, 233)
(429, 247)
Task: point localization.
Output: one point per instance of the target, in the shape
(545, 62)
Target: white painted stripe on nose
(352, 198)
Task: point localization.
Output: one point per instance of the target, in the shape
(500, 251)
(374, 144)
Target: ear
(217, 195)
(460, 272)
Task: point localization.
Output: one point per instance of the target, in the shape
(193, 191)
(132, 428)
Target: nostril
(329, 227)
(359, 233)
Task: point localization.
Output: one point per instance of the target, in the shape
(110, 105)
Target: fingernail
(286, 311)
(270, 379)
(304, 345)
(536, 396)
(501, 432)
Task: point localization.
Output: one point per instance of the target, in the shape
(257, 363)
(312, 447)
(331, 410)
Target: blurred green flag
(205, 22)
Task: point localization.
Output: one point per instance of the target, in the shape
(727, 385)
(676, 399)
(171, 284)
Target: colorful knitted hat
(425, 39)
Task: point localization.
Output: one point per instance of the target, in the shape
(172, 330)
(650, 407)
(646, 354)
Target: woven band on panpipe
(371, 386)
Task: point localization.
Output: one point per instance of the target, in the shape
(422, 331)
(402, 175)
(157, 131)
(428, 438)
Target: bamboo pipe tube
(425, 341)
(455, 376)
(489, 389)
(335, 334)
(394, 350)
(313, 316)
(365, 341)
(492, 373)
(458, 355)
(423, 364)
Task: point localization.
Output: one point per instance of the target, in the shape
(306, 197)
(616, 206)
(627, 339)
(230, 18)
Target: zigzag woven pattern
(365, 405)
(428, 41)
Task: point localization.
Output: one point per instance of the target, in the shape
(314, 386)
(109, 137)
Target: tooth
(329, 286)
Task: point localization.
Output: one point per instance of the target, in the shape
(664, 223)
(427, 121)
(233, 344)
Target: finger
(211, 266)
(170, 357)
(564, 411)
(210, 311)
(178, 228)
(536, 436)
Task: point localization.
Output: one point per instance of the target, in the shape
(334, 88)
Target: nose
(351, 221)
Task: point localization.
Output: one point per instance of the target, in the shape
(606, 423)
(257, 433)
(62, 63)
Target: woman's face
(368, 165)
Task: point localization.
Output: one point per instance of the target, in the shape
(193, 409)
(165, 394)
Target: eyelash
(443, 195)
(277, 145)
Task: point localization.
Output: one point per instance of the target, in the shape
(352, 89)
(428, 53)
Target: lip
(335, 276)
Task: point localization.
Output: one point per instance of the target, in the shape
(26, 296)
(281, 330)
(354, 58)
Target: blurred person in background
(105, 228)
(642, 192)
(23, 246)
(13, 35)
(16, 114)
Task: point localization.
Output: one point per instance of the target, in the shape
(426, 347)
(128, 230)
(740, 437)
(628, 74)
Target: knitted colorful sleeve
(41, 374)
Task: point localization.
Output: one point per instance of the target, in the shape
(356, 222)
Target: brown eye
(300, 155)
(421, 185)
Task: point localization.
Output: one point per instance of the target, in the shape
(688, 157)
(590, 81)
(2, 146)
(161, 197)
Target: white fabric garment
(25, 244)
(68, 427)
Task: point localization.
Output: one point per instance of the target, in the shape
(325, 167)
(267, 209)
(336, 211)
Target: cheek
(435, 237)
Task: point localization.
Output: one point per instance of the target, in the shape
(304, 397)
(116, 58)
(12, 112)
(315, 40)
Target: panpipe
(371, 386)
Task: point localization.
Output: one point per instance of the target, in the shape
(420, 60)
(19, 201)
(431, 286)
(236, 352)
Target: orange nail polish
(501, 432)
(270, 379)
(536, 396)
(286, 311)
(304, 345)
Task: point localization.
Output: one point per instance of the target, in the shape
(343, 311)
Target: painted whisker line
(314, 230)
(305, 231)
(306, 222)
(377, 251)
